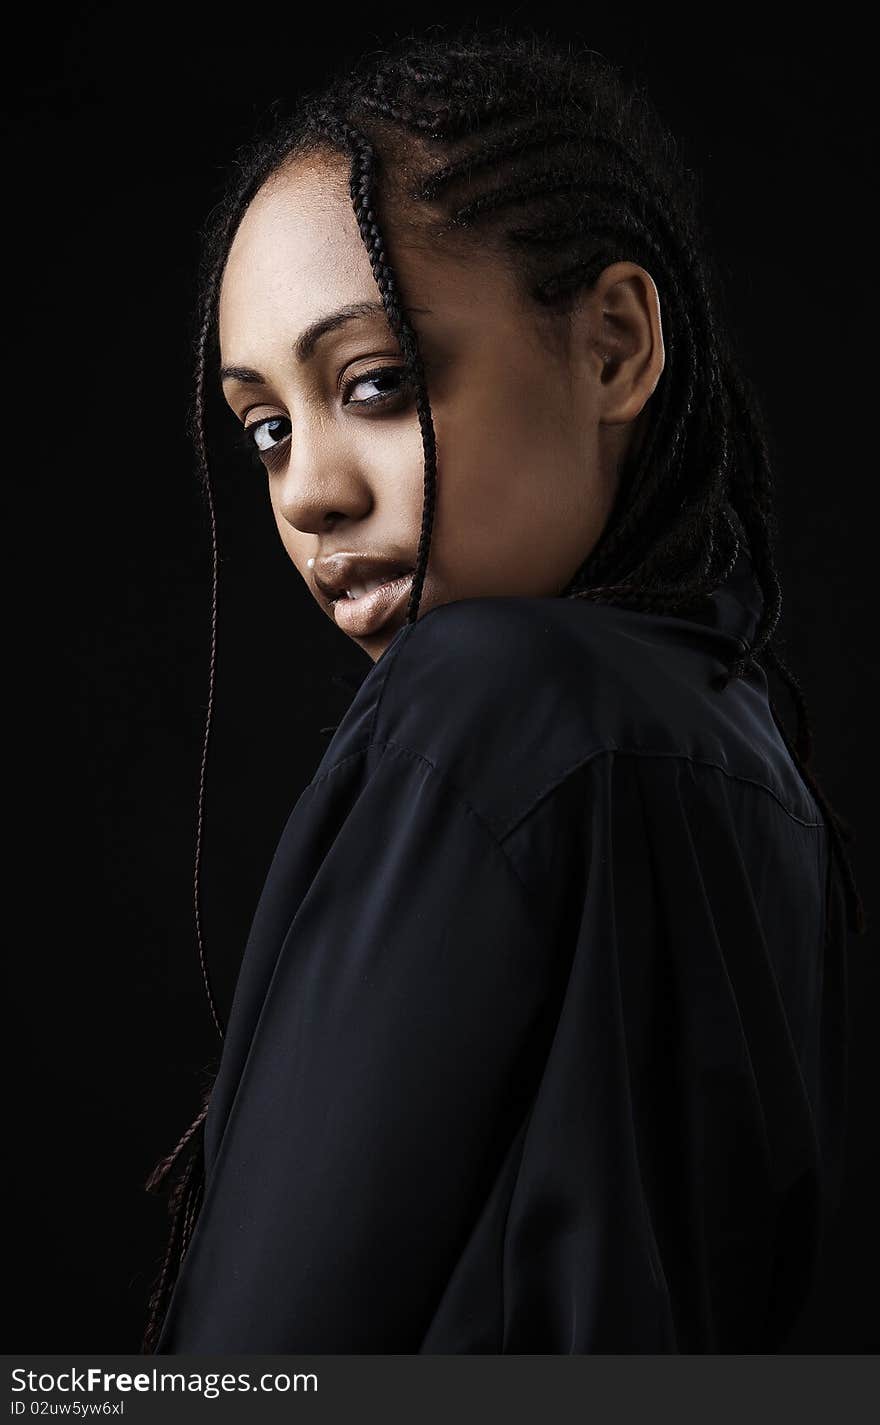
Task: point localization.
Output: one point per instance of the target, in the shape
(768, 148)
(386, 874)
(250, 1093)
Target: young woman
(539, 1039)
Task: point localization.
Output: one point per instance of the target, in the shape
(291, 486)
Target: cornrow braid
(470, 123)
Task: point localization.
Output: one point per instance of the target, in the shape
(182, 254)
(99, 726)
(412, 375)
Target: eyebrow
(307, 341)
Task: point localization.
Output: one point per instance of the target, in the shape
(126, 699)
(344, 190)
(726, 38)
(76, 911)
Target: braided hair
(546, 154)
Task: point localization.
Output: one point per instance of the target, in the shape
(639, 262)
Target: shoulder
(507, 637)
(493, 692)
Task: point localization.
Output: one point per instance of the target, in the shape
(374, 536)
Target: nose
(323, 483)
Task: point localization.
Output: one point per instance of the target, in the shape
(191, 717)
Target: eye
(390, 381)
(262, 435)
(382, 387)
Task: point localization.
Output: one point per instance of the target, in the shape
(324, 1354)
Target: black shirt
(537, 1043)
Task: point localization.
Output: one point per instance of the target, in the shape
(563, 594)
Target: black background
(120, 123)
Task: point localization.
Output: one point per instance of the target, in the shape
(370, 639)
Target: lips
(360, 616)
(358, 590)
(352, 575)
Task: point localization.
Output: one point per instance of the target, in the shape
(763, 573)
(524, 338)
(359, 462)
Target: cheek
(391, 459)
(518, 501)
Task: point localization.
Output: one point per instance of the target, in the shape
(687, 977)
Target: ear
(627, 341)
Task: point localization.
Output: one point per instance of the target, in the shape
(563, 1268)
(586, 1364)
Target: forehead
(296, 249)
(298, 254)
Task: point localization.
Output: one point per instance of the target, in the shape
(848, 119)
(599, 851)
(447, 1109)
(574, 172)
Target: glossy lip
(369, 613)
(334, 573)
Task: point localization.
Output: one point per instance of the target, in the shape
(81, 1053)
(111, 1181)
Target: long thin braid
(203, 462)
(184, 1199)
(363, 202)
(801, 753)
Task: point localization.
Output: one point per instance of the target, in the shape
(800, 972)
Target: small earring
(310, 563)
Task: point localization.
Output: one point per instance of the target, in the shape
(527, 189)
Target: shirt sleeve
(395, 1054)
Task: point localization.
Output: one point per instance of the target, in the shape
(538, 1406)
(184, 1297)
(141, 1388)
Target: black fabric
(537, 1043)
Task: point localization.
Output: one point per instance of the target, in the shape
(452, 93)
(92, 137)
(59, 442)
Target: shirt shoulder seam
(612, 748)
(399, 748)
(500, 837)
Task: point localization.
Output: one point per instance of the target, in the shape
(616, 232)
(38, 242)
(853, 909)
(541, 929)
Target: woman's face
(529, 432)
